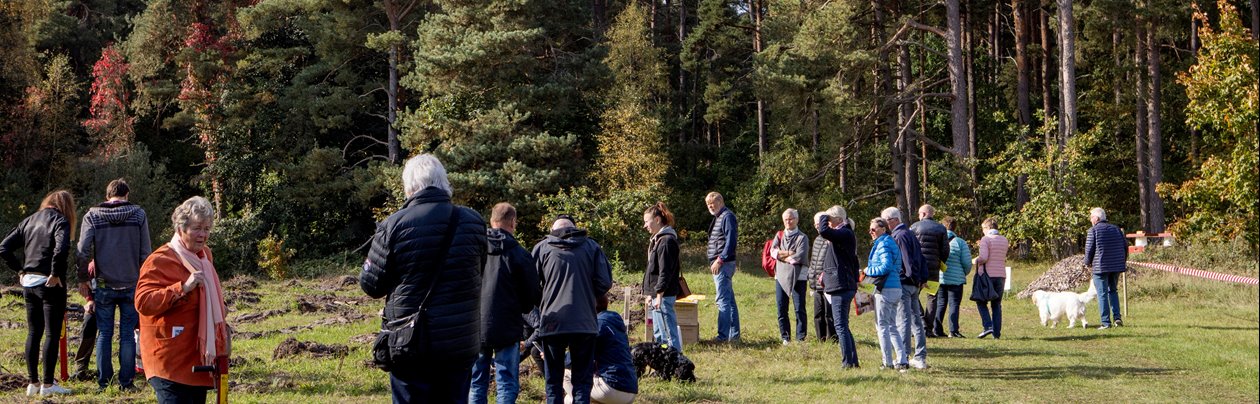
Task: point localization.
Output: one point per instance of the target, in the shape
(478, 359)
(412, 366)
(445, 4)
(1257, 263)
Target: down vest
(399, 266)
(935, 246)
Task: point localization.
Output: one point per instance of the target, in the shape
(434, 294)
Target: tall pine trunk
(1155, 141)
(763, 143)
(1194, 51)
(1067, 71)
(1140, 124)
(904, 143)
(1047, 93)
(888, 114)
(957, 78)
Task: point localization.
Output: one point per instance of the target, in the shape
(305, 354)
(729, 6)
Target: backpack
(768, 261)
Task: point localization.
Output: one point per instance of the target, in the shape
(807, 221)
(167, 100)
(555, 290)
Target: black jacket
(573, 270)
(44, 239)
(663, 266)
(399, 265)
(934, 243)
(844, 244)
(509, 289)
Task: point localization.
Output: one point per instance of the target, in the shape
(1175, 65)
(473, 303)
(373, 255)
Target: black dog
(666, 361)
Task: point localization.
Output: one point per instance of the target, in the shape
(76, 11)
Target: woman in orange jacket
(181, 309)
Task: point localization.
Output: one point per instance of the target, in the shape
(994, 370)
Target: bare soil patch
(293, 347)
(258, 316)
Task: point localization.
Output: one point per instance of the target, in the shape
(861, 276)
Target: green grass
(1185, 339)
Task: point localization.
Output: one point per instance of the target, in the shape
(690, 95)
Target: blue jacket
(959, 262)
(912, 266)
(612, 354)
(885, 261)
(1105, 248)
(723, 234)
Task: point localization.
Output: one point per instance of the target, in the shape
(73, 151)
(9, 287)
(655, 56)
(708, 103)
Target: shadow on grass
(1058, 372)
(1213, 327)
(1087, 337)
(987, 352)
(743, 343)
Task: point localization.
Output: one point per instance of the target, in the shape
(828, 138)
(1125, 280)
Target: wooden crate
(688, 322)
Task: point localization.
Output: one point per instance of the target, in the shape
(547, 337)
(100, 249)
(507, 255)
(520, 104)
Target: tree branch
(869, 196)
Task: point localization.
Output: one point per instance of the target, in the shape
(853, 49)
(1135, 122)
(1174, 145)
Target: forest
(294, 116)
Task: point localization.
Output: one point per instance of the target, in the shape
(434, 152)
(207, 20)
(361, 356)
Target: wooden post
(1125, 291)
(625, 306)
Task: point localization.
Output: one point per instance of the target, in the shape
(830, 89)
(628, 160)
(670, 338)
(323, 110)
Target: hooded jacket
(401, 265)
(44, 238)
(116, 235)
(573, 270)
(509, 289)
(663, 266)
(934, 244)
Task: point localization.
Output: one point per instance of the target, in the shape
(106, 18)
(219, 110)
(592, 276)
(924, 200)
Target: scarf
(991, 232)
(211, 324)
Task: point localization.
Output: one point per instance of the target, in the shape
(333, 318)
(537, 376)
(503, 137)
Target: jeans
(727, 309)
(798, 301)
(840, 303)
(993, 323)
(431, 383)
(824, 321)
(87, 343)
(887, 305)
(581, 349)
(1108, 299)
(910, 321)
(665, 324)
(45, 312)
(947, 299)
(169, 392)
(505, 362)
(106, 301)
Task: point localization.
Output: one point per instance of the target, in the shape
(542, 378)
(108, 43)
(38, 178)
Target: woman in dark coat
(660, 280)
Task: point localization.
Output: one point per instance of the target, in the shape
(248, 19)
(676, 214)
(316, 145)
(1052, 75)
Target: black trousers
(45, 311)
(824, 323)
(87, 343)
(169, 392)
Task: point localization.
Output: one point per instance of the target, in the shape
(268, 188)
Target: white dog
(1054, 305)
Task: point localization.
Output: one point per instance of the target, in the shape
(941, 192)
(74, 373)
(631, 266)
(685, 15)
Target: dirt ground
(292, 347)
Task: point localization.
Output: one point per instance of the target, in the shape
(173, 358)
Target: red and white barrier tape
(1199, 273)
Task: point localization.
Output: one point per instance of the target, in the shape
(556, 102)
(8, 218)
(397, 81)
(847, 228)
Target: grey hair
(791, 212)
(1098, 213)
(195, 208)
(890, 213)
(817, 216)
(927, 209)
(562, 224)
(838, 212)
(425, 171)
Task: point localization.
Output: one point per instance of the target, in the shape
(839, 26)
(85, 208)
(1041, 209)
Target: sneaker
(84, 375)
(1104, 327)
(130, 388)
(985, 333)
(785, 342)
(32, 389)
(956, 334)
(918, 364)
(1118, 323)
(53, 389)
(902, 368)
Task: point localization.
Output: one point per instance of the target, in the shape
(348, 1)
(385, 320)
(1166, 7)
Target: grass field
(1185, 340)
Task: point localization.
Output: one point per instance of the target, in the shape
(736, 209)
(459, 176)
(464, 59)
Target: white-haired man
(913, 276)
(1106, 252)
(427, 258)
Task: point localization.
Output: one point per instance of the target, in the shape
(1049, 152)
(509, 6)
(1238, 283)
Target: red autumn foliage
(109, 121)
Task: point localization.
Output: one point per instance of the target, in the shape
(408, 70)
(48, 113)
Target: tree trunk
(763, 144)
(971, 93)
(1255, 20)
(1067, 58)
(1047, 93)
(813, 121)
(904, 145)
(957, 79)
(394, 12)
(684, 94)
(1021, 91)
(887, 114)
(1155, 142)
(1140, 122)
(1194, 51)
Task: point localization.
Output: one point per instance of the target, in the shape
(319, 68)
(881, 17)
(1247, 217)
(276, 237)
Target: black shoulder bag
(405, 339)
(982, 287)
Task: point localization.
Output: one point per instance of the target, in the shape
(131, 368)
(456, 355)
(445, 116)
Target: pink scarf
(211, 322)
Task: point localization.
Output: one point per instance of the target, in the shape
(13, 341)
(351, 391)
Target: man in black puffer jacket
(407, 260)
(509, 290)
(574, 271)
(934, 242)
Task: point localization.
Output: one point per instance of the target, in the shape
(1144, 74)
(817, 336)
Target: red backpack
(768, 260)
